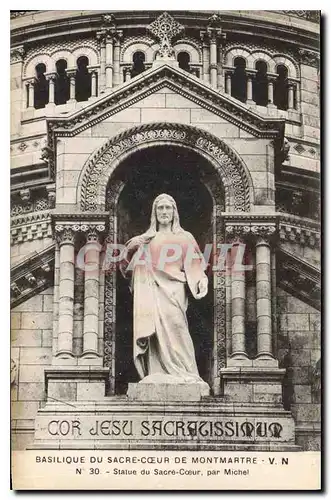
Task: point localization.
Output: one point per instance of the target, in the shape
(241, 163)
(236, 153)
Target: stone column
(109, 61)
(101, 37)
(91, 295)
(236, 235)
(291, 96)
(263, 293)
(238, 294)
(51, 80)
(213, 56)
(93, 83)
(127, 74)
(66, 240)
(117, 51)
(72, 78)
(250, 75)
(228, 83)
(205, 57)
(30, 86)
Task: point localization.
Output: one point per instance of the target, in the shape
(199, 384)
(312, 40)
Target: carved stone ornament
(246, 229)
(164, 28)
(17, 54)
(309, 58)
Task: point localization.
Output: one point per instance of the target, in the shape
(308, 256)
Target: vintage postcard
(165, 250)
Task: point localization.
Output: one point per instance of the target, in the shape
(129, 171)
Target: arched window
(62, 83)
(41, 88)
(138, 60)
(183, 59)
(281, 88)
(260, 84)
(83, 80)
(239, 80)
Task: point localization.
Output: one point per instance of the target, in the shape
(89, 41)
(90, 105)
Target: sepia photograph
(165, 249)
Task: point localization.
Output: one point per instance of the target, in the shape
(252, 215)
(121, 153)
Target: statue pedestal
(161, 387)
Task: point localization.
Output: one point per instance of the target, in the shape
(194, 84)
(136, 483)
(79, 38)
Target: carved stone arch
(42, 58)
(230, 55)
(88, 52)
(291, 65)
(104, 164)
(231, 170)
(189, 45)
(144, 44)
(260, 56)
(63, 54)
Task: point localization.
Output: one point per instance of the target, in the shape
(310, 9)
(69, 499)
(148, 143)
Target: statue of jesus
(162, 263)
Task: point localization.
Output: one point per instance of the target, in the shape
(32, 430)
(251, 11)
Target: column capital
(50, 76)
(30, 81)
(213, 34)
(65, 234)
(251, 72)
(244, 230)
(93, 232)
(71, 72)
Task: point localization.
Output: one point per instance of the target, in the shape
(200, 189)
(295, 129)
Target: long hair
(152, 230)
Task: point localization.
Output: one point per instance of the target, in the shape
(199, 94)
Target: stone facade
(87, 141)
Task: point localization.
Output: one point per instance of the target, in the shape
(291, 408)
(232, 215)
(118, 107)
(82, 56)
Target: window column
(72, 79)
(250, 75)
(291, 90)
(93, 73)
(30, 86)
(51, 81)
(228, 80)
(271, 82)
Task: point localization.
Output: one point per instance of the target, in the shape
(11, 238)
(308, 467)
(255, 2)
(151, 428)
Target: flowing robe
(162, 342)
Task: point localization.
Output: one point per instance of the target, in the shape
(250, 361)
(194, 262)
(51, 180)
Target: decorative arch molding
(146, 44)
(48, 55)
(98, 169)
(252, 53)
(42, 58)
(190, 45)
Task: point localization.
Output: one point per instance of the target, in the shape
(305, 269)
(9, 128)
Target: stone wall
(299, 352)
(31, 341)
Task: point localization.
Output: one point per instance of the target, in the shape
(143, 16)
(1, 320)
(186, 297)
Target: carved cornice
(299, 278)
(296, 229)
(32, 276)
(31, 226)
(152, 81)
